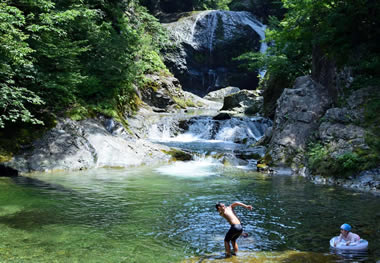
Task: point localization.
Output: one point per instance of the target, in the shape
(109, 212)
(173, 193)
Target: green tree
(15, 68)
(345, 31)
(76, 53)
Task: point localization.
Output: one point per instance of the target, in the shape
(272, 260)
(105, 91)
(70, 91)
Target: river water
(167, 214)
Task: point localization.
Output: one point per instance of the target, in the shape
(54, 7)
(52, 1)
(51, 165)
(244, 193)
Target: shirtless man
(236, 229)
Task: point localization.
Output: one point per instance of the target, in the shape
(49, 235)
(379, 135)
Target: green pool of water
(147, 215)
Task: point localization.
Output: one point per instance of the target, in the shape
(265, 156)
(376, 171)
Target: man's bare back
(229, 214)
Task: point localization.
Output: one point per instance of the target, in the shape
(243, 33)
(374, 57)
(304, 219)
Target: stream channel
(167, 213)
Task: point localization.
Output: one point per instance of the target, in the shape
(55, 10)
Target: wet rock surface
(206, 42)
(368, 181)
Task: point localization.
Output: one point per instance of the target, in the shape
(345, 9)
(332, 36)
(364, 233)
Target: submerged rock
(267, 256)
(368, 181)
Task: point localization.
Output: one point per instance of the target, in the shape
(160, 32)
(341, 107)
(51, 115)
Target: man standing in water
(236, 229)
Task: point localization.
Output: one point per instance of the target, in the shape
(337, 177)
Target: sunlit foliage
(71, 54)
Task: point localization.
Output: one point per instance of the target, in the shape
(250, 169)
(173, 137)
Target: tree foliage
(72, 54)
(15, 67)
(345, 31)
(175, 6)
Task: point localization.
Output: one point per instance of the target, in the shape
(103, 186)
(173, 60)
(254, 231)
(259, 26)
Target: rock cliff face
(342, 130)
(325, 143)
(206, 43)
(296, 119)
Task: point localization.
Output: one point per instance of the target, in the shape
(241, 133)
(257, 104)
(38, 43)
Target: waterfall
(200, 16)
(205, 46)
(202, 130)
(232, 19)
(211, 142)
(248, 19)
(212, 25)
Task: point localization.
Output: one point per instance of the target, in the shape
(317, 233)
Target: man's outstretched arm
(241, 204)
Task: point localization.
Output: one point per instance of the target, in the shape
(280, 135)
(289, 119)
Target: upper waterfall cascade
(231, 20)
(208, 42)
(199, 31)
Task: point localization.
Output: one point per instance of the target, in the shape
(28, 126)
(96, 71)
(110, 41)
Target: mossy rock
(266, 159)
(261, 167)
(179, 155)
(19, 135)
(5, 156)
(151, 85)
(251, 156)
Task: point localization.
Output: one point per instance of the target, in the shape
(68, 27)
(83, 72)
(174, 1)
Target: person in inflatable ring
(346, 235)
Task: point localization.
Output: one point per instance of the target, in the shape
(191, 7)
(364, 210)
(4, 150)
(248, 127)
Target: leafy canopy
(68, 54)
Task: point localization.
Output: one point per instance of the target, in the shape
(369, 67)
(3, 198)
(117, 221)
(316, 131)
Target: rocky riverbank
(368, 181)
(325, 143)
(103, 141)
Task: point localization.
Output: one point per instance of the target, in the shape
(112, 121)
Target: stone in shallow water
(289, 256)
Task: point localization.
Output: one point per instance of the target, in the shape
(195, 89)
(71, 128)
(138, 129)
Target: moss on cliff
(17, 136)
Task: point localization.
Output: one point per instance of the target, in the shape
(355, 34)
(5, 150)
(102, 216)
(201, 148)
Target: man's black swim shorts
(234, 232)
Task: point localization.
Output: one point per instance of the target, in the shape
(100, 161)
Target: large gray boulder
(296, 120)
(87, 144)
(205, 44)
(244, 101)
(160, 92)
(219, 95)
(164, 93)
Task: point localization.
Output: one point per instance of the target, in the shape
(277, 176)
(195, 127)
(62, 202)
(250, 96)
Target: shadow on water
(60, 206)
(39, 184)
(30, 219)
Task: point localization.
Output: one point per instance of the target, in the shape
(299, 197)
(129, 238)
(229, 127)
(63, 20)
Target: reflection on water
(167, 214)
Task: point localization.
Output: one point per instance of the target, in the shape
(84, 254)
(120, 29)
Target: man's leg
(235, 246)
(234, 243)
(228, 248)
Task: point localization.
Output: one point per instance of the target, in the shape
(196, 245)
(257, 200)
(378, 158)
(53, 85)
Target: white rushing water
(200, 167)
(211, 143)
(207, 129)
(199, 31)
(205, 25)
